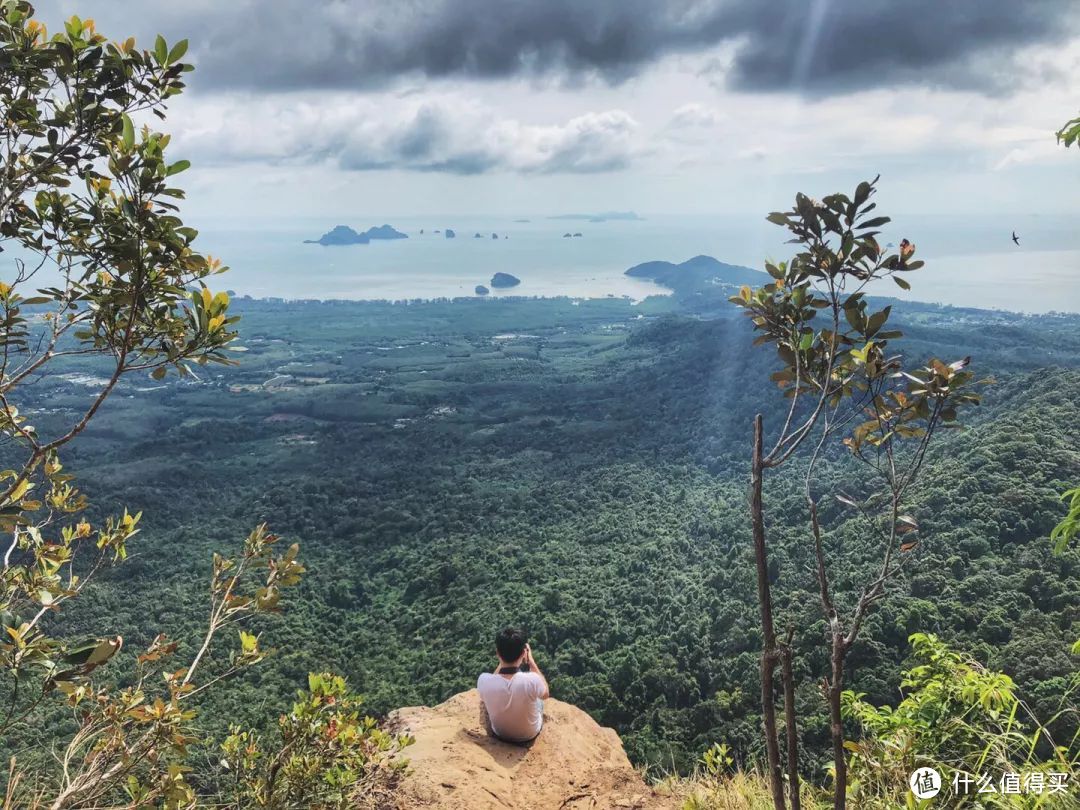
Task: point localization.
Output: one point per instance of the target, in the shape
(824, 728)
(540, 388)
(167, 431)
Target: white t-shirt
(513, 704)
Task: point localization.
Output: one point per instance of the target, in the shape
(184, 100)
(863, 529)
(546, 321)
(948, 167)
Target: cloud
(448, 135)
(812, 47)
(829, 46)
(694, 115)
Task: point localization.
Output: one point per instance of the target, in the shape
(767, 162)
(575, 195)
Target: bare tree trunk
(836, 721)
(769, 654)
(834, 685)
(791, 730)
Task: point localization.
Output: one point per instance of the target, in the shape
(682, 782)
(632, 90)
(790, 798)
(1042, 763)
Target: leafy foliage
(139, 736)
(1066, 531)
(1069, 133)
(328, 756)
(958, 717)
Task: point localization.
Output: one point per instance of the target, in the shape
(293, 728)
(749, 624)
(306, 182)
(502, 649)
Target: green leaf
(178, 51)
(862, 193)
(248, 642)
(161, 49)
(176, 168)
(158, 373)
(854, 317)
(876, 321)
(128, 137)
(901, 283)
(876, 222)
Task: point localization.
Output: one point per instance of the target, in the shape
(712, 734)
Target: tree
(844, 383)
(88, 212)
(84, 198)
(1069, 527)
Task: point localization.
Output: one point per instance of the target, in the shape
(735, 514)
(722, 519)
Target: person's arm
(534, 667)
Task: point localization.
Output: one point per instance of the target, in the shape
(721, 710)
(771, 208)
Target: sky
(364, 109)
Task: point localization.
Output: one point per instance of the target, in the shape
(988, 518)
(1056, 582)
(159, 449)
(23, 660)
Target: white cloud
(441, 134)
(695, 115)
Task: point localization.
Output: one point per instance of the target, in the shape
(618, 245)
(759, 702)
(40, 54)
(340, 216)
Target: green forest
(580, 469)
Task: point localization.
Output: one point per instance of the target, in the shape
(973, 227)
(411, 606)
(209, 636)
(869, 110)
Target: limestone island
(696, 273)
(344, 235)
(503, 280)
(481, 290)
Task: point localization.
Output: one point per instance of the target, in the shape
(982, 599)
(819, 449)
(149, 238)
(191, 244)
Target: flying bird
(1016, 239)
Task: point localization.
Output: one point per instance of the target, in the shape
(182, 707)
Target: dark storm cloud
(822, 47)
(812, 46)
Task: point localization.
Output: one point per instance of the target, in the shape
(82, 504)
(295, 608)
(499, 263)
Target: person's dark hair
(510, 643)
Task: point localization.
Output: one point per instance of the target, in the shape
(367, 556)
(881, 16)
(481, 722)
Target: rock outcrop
(574, 764)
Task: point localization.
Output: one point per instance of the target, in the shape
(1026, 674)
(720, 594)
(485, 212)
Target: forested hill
(578, 468)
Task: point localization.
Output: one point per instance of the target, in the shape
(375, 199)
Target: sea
(969, 262)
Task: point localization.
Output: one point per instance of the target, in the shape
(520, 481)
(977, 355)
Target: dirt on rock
(574, 764)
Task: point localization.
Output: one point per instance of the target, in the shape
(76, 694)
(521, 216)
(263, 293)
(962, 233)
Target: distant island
(502, 280)
(344, 235)
(626, 216)
(449, 233)
(481, 290)
(695, 273)
(385, 232)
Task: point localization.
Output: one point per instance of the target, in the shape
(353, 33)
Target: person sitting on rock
(511, 697)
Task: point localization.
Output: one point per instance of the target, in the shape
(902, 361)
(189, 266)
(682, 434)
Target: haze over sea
(972, 264)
